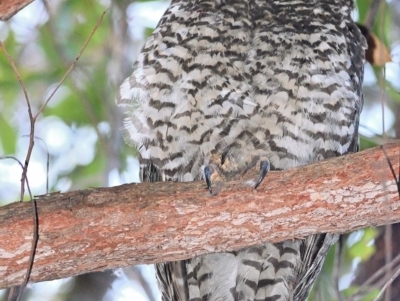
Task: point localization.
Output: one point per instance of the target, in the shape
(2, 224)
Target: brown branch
(103, 228)
(9, 8)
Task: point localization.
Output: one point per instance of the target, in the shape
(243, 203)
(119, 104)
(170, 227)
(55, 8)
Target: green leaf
(364, 248)
(8, 136)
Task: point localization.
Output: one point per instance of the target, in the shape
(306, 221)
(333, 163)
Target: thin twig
(87, 106)
(22, 166)
(25, 169)
(388, 256)
(24, 180)
(387, 285)
(14, 290)
(370, 283)
(88, 109)
(372, 12)
(74, 63)
(47, 161)
(397, 179)
(380, 7)
(337, 267)
(10, 60)
(32, 120)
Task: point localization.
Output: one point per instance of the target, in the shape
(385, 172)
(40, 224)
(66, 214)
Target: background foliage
(80, 126)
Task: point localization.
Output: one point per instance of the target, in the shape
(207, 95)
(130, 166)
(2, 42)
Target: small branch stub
(9, 8)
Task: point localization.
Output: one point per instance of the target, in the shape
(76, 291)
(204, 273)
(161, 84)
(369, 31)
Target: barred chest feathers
(272, 77)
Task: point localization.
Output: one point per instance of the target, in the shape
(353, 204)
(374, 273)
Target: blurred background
(79, 129)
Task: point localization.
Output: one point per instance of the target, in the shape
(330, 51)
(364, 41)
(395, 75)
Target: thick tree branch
(103, 228)
(9, 8)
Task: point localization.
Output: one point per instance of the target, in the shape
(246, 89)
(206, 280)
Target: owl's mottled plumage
(227, 82)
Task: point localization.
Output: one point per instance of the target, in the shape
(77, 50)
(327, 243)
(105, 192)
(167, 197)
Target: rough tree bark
(104, 228)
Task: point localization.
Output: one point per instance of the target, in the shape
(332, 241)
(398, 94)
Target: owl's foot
(265, 166)
(214, 173)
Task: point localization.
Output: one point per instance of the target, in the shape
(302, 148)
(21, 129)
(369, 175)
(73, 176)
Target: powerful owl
(222, 85)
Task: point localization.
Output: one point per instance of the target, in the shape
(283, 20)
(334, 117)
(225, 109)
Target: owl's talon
(208, 170)
(212, 175)
(264, 169)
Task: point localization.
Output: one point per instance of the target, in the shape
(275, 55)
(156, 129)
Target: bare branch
(387, 285)
(74, 63)
(104, 228)
(16, 292)
(378, 279)
(31, 120)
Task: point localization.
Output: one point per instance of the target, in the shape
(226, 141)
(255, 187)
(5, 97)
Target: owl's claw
(208, 170)
(264, 169)
(212, 174)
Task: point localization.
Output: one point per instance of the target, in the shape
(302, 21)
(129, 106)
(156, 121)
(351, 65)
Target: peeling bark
(104, 228)
(9, 8)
